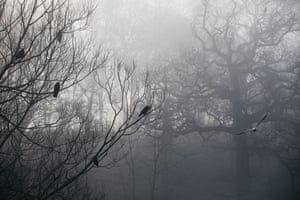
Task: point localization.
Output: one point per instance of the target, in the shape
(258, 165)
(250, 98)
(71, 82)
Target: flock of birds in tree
(20, 54)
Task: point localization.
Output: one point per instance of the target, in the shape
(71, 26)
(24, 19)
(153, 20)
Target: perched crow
(145, 110)
(56, 89)
(20, 54)
(59, 36)
(254, 129)
(95, 161)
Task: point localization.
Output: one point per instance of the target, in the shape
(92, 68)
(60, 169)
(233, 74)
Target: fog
(152, 100)
(156, 34)
(146, 31)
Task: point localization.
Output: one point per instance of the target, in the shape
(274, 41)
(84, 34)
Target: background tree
(243, 68)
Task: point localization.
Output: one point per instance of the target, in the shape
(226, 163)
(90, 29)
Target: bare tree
(242, 70)
(48, 142)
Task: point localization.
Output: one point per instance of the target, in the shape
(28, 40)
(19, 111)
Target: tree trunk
(240, 141)
(166, 141)
(242, 166)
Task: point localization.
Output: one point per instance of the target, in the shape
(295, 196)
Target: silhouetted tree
(243, 68)
(45, 146)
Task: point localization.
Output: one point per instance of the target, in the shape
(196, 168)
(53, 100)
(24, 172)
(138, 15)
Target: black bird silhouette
(95, 161)
(260, 121)
(59, 36)
(20, 54)
(56, 89)
(145, 110)
(254, 129)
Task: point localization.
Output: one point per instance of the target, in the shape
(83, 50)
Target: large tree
(243, 67)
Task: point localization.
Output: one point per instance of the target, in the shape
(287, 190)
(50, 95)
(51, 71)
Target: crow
(145, 110)
(56, 89)
(95, 161)
(59, 36)
(254, 129)
(20, 54)
(260, 121)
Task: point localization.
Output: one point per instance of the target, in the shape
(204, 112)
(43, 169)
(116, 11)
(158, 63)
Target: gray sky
(143, 29)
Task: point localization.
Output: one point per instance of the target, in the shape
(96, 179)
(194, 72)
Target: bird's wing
(262, 119)
(243, 132)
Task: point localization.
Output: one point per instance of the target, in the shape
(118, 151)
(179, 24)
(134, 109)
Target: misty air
(150, 100)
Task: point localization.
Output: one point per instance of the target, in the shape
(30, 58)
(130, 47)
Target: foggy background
(159, 36)
(222, 77)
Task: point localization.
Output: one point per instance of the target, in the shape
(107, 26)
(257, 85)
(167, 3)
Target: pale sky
(144, 30)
